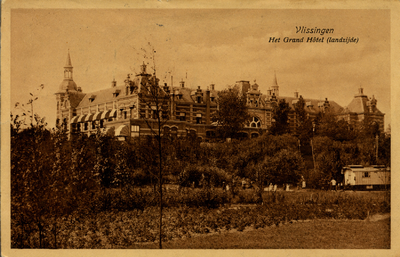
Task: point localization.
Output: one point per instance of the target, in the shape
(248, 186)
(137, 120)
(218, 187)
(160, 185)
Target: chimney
(113, 83)
(208, 105)
(296, 94)
(166, 88)
(143, 68)
(212, 86)
(182, 84)
(79, 89)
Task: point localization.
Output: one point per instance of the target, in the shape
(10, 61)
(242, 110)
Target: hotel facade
(129, 110)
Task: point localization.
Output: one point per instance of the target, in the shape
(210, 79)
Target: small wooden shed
(366, 177)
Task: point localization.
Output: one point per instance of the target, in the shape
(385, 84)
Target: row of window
(90, 125)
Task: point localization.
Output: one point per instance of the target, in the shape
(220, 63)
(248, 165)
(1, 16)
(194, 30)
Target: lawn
(314, 234)
(205, 220)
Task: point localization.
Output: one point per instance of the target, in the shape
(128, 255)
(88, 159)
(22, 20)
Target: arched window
(166, 131)
(255, 123)
(174, 132)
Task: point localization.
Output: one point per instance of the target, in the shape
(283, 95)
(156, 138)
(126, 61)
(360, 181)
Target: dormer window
(116, 93)
(91, 98)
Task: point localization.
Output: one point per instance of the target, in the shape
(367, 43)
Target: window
(199, 99)
(101, 123)
(166, 131)
(86, 126)
(198, 120)
(174, 132)
(93, 124)
(135, 130)
(182, 116)
(210, 133)
(255, 123)
(191, 133)
(366, 175)
(131, 110)
(125, 114)
(154, 114)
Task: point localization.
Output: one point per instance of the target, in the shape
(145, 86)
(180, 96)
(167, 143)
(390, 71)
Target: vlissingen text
(318, 39)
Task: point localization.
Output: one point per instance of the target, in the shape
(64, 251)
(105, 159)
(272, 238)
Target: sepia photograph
(157, 126)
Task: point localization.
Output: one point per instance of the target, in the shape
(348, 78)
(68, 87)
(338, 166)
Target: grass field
(315, 234)
(201, 219)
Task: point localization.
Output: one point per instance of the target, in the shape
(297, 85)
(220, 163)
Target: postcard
(254, 127)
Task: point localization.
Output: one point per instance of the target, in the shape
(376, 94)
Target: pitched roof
(335, 107)
(102, 96)
(359, 105)
(188, 94)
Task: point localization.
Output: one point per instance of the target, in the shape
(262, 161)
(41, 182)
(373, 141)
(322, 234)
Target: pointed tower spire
(275, 79)
(68, 63)
(275, 87)
(68, 82)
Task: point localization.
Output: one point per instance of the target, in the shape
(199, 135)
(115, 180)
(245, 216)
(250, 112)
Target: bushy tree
(232, 114)
(280, 124)
(328, 125)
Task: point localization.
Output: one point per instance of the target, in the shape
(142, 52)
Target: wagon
(361, 177)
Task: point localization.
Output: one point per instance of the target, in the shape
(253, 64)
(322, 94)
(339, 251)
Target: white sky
(211, 46)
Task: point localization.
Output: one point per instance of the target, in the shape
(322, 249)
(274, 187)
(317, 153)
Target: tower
(275, 87)
(68, 95)
(68, 82)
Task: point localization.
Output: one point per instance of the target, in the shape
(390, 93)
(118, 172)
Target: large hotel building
(128, 110)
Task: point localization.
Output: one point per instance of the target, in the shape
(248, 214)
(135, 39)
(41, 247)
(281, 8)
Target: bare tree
(157, 100)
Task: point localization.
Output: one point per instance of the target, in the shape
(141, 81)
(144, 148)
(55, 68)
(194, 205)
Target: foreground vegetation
(97, 192)
(118, 225)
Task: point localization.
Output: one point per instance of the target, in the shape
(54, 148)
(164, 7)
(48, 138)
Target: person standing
(333, 184)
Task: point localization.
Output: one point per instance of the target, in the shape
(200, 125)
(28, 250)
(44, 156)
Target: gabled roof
(102, 96)
(335, 107)
(188, 94)
(359, 105)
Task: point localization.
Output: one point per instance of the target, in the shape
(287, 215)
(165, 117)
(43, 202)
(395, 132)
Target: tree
(280, 118)
(301, 114)
(156, 99)
(285, 166)
(30, 152)
(232, 114)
